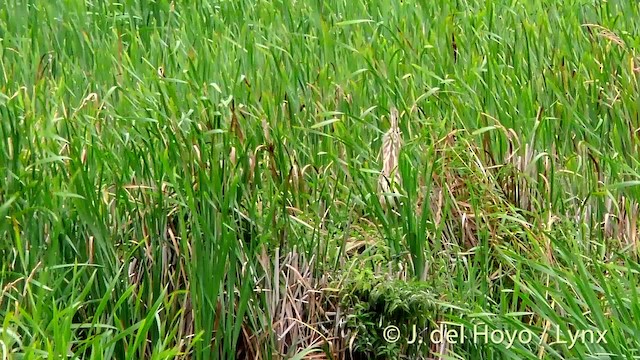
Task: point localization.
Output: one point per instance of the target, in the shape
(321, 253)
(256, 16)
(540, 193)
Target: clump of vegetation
(374, 303)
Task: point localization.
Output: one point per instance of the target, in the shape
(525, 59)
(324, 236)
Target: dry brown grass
(303, 312)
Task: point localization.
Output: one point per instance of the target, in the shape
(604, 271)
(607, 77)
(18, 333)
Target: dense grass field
(201, 180)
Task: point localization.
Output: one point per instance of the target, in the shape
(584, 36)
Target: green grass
(128, 230)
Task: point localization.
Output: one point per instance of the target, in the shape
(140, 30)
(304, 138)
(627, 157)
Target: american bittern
(390, 181)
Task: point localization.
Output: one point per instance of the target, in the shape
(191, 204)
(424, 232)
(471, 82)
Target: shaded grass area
(198, 180)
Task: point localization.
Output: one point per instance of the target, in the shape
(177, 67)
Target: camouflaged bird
(389, 182)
